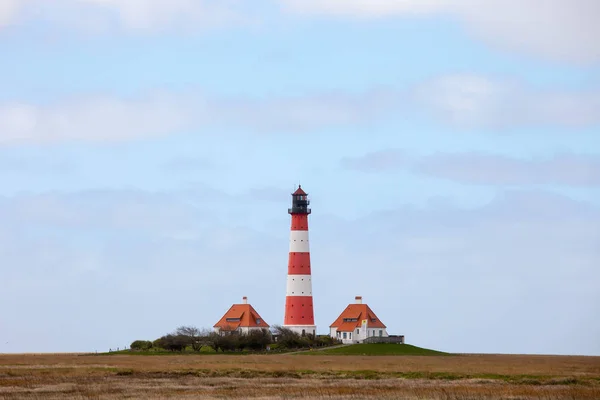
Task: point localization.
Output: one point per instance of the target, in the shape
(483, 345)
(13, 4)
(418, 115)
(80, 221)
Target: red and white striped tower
(299, 314)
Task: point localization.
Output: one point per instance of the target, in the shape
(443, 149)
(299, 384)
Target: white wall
(299, 285)
(299, 242)
(332, 332)
(357, 338)
(308, 329)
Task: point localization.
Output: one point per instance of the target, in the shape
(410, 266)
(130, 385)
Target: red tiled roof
(235, 313)
(246, 315)
(358, 312)
(349, 326)
(299, 191)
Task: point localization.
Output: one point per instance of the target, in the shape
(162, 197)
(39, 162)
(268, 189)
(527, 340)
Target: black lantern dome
(300, 202)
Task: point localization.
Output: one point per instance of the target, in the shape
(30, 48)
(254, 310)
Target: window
(357, 331)
(258, 320)
(232, 319)
(380, 333)
(344, 335)
(303, 331)
(350, 335)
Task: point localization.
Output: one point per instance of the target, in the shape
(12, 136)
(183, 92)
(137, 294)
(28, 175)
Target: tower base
(303, 330)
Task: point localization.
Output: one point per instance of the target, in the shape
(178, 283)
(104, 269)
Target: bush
(141, 345)
(190, 338)
(234, 341)
(290, 339)
(324, 341)
(257, 340)
(172, 342)
(286, 338)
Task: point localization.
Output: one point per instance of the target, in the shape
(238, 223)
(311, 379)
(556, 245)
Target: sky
(450, 149)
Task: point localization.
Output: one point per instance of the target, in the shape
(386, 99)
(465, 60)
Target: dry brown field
(72, 376)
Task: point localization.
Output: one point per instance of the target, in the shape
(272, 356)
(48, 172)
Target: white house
(356, 323)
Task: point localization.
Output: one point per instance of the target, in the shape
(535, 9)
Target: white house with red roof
(240, 318)
(356, 323)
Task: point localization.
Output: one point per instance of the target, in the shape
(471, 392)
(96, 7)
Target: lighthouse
(299, 315)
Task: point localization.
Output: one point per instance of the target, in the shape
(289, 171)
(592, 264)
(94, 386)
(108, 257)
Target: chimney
(245, 300)
(358, 299)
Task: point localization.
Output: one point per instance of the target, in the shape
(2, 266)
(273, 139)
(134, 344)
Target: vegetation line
(189, 339)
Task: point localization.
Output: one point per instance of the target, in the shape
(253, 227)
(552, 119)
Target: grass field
(294, 376)
(379, 349)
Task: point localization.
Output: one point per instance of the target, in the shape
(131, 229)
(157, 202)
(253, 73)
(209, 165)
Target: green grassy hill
(379, 349)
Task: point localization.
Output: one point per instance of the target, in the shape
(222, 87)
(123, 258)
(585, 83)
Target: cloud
(148, 15)
(472, 101)
(194, 210)
(465, 101)
(106, 118)
(559, 30)
(488, 169)
(186, 244)
(94, 119)
(366, 9)
(562, 169)
(180, 258)
(8, 11)
(485, 269)
(135, 16)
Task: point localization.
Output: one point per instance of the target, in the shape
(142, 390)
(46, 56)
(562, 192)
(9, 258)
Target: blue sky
(451, 152)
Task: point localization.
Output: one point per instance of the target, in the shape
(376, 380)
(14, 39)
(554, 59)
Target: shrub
(287, 338)
(257, 340)
(172, 342)
(141, 345)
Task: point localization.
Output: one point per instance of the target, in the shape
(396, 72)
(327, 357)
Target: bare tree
(193, 334)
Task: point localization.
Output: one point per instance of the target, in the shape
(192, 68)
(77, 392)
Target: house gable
(351, 318)
(241, 316)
